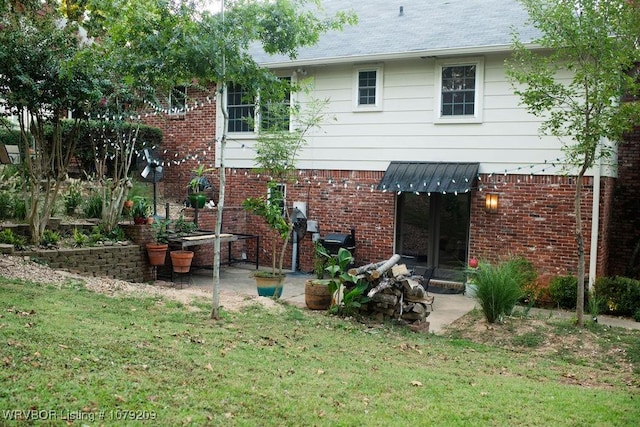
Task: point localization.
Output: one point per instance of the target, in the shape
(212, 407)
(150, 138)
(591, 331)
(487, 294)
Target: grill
(333, 242)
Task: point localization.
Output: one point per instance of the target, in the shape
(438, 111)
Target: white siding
(506, 140)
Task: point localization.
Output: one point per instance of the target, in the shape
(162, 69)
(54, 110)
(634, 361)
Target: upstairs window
(460, 91)
(241, 109)
(368, 88)
(275, 114)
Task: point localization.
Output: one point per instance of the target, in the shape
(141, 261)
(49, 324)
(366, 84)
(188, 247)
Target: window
(368, 88)
(278, 194)
(275, 114)
(241, 109)
(178, 100)
(460, 96)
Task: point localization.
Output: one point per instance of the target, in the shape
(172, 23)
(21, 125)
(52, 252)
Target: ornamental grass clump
(498, 289)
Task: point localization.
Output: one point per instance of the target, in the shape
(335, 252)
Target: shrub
(620, 294)
(527, 275)
(79, 238)
(636, 315)
(50, 238)
(72, 199)
(93, 207)
(564, 291)
(498, 289)
(9, 237)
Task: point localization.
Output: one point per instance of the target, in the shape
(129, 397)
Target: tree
(277, 148)
(139, 54)
(43, 77)
(220, 51)
(575, 81)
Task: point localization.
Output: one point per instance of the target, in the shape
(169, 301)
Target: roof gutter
(462, 51)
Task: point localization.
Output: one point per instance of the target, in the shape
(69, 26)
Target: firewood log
(385, 266)
(365, 268)
(384, 284)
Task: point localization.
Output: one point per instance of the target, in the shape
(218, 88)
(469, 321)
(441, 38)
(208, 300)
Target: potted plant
(276, 149)
(270, 208)
(317, 295)
(183, 227)
(198, 184)
(181, 259)
(157, 250)
(140, 210)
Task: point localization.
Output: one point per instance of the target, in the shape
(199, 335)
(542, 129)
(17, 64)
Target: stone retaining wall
(124, 262)
(128, 262)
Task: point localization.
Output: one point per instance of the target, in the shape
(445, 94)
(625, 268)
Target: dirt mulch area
(596, 356)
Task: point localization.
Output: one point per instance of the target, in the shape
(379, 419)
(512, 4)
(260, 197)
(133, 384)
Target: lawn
(72, 356)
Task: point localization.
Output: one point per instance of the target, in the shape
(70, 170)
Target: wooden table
(206, 238)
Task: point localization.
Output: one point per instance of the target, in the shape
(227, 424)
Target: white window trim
(479, 96)
(379, 69)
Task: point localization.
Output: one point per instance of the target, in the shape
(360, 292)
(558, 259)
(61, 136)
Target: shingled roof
(405, 28)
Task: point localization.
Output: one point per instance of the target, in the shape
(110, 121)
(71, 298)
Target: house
(430, 155)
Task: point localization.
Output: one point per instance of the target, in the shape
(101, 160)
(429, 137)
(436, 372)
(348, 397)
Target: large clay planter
(181, 261)
(269, 286)
(157, 253)
(317, 295)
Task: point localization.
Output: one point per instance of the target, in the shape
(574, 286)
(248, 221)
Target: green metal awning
(429, 177)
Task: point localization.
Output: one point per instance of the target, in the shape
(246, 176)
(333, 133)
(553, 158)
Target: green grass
(84, 354)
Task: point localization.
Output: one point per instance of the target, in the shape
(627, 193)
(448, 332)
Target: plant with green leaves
(576, 79)
(498, 288)
(160, 228)
(44, 74)
(50, 238)
(182, 227)
(79, 238)
(276, 151)
(73, 198)
(346, 288)
(9, 237)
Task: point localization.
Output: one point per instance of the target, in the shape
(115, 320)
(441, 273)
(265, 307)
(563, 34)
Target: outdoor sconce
(491, 203)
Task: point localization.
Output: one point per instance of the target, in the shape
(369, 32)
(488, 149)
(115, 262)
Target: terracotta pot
(181, 261)
(157, 253)
(317, 295)
(269, 286)
(128, 204)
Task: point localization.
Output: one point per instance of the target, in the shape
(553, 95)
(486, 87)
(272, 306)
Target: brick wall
(188, 140)
(625, 212)
(535, 217)
(535, 220)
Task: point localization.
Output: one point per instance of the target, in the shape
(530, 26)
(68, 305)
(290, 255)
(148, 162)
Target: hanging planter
(181, 261)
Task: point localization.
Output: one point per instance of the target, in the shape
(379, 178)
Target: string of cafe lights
(177, 158)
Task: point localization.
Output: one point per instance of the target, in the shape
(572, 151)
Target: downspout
(595, 224)
(595, 211)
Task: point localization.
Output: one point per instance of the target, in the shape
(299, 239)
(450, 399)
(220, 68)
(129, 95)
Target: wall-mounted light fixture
(491, 203)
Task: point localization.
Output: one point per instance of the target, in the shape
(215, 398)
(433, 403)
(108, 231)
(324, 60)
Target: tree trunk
(215, 309)
(580, 244)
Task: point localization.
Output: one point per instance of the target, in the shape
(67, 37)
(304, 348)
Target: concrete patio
(446, 307)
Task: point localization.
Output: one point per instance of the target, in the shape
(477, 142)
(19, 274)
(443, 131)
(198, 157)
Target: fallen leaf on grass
(416, 383)
(209, 367)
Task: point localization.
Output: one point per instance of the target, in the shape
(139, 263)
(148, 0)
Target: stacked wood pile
(395, 293)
